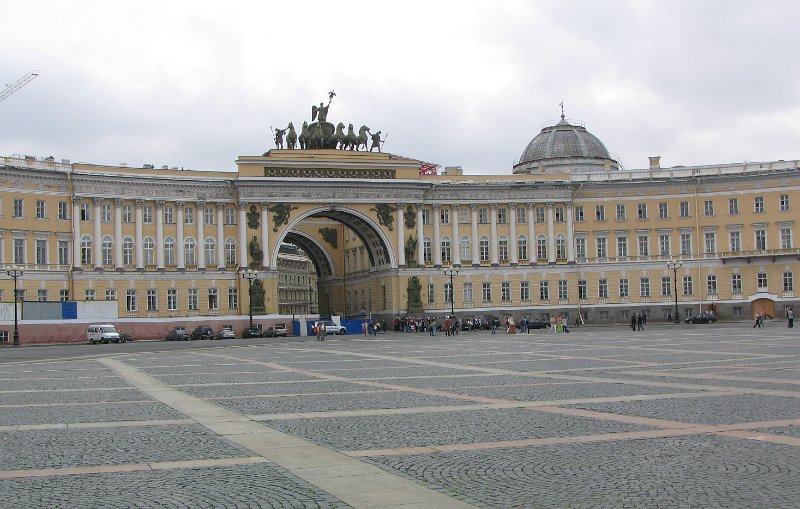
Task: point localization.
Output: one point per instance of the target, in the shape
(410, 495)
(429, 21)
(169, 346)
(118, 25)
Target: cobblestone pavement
(672, 417)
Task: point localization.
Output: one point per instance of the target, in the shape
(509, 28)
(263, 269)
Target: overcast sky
(196, 84)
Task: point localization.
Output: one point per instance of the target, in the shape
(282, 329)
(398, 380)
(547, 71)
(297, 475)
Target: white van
(103, 334)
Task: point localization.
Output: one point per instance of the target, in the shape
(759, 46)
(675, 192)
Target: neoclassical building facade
(567, 231)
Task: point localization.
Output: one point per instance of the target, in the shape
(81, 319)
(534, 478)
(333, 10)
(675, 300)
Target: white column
(98, 236)
(437, 241)
(512, 242)
(570, 235)
(118, 234)
(221, 236)
(493, 230)
(401, 236)
(420, 238)
(266, 255)
(455, 246)
(243, 235)
(201, 235)
(531, 236)
(179, 241)
(76, 233)
(476, 259)
(139, 241)
(159, 235)
(551, 236)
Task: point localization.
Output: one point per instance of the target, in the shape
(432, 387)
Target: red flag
(428, 169)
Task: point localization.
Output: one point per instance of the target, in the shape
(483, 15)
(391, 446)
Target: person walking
(633, 321)
(790, 317)
(640, 321)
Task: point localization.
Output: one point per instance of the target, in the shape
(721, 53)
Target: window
(189, 257)
(107, 251)
(733, 206)
(708, 208)
(466, 249)
(41, 252)
(89, 294)
(169, 215)
(624, 288)
(213, 298)
(86, 250)
(483, 216)
(579, 216)
(735, 240)
(169, 251)
(524, 290)
(40, 209)
(18, 207)
(761, 280)
(111, 294)
(463, 215)
(502, 249)
(711, 284)
(561, 247)
(192, 299)
(152, 299)
(446, 249)
(63, 295)
(663, 211)
(563, 290)
(427, 251)
(736, 284)
(147, 214)
(602, 247)
(230, 252)
(620, 212)
(127, 214)
(486, 292)
(602, 288)
(41, 295)
(710, 242)
(209, 217)
(233, 298)
(149, 247)
(761, 239)
(684, 209)
(483, 248)
(230, 215)
(559, 214)
(580, 248)
(127, 251)
(644, 287)
(758, 205)
(686, 244)
(666, 287)
(582, 289)
(540, 214)
(544, 290)
(502, 215)
(210, 251)
(426, 216)
(467, 292)
(664, 245)
(600, 212)
(63, 252)
(505, 291)
(786, 238)
(644, 245)
(622, 246)
(86, 211)
(172, 299)
(521, 216)
(641, 211)
(541, 247)
(188, 215)
(105, 213)
(784, 202)
(788, 282)
(63, 210)
(688, 287)
(130, 300)
(522, 247)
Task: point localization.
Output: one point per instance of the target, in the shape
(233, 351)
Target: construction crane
(10, 89)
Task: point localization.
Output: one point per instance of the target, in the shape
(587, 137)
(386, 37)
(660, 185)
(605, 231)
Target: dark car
(178, 334)
(253, 331)
(537, 323)
(277, 330)
(701, 319)
(203, 332)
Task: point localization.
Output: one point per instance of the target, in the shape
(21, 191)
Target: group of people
(638, 319)
(370, 328)
(759, 317)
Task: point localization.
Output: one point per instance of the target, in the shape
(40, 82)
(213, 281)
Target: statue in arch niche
(257, 296)
(256, 255)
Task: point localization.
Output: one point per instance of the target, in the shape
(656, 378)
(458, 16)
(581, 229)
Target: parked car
(537, 323)
(277, 330)
(253, 331)
(702, 318)
(203, 332)
(104, 333)
(177, 334)
(226, 332)
(332, 328)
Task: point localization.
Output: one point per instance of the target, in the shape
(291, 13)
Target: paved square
(675, 416)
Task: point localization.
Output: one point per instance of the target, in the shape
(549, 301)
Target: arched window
(169, 251)
(483, 247)
(86, 250)
(149, 246)
(446, 249)
(541, 247)
(127, 251)
(107, 250)
(426, 250)
(466, 249)
(502, 249)
(561, 247)
(189, 257)
(522, 247)
(230, 251)
(210, 249)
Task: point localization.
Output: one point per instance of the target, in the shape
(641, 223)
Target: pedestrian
(640, 321)
(552, 323)
(493, 326)
(633, 321)
(790, 317)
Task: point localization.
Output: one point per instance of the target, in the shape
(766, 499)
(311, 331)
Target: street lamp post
(249, 275)
(14, 274)
(675, 265)
(451, 273)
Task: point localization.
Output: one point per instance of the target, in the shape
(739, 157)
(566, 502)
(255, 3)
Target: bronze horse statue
(291, 138)
(362, 137)
(340, 137)
(351, 140)
(305, 137)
